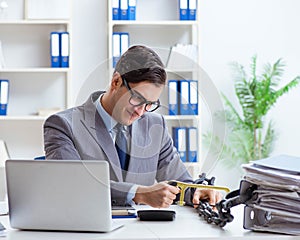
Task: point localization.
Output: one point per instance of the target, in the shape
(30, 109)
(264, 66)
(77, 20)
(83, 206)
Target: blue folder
(131, 9)
(184, 90)
(179, 138)
(124, 42)
(115, 9)
(55, 49)
(173, 97)
(192, 144)
(116, 49)
(183, 9)
(192, 9)
(193, 97)
(64, 49)
(123, 10)
(4, 92)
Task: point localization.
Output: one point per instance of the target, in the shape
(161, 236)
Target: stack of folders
(123, 9)
(120, 42)
(59, 49)
(183, 56)
(276, 208)
(187, 9)
(183, 97)
(4, 92)
(186, 141)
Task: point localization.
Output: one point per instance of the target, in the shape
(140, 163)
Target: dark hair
(140, 63)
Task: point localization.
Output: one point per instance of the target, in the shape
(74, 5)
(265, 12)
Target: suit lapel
(96, 128)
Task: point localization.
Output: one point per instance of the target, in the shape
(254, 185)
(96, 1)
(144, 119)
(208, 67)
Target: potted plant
(249, 136)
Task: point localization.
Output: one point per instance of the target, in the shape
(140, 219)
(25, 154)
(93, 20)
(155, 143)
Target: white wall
(89, 41)
(235, 30)
(231, 30)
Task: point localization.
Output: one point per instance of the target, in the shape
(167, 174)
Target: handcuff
(244, 195)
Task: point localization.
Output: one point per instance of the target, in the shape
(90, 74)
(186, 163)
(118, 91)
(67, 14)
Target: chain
(210, 216)
(206, 211)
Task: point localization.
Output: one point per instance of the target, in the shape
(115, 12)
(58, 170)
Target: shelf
(34, 22)
(22, 118)
(158, 23)
(35, 70)
(181, 117)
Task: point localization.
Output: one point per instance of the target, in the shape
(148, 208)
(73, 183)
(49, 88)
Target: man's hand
(210, 195)
(160, 195)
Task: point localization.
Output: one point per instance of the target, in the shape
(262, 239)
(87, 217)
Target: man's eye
(138, 98)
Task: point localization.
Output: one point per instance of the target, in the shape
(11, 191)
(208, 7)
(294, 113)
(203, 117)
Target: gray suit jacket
(80, 133)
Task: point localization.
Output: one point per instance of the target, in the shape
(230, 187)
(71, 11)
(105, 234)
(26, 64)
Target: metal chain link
(206, 211)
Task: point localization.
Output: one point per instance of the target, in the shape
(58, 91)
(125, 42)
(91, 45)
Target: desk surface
(187, 225)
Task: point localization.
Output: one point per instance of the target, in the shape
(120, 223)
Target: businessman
(119, 125)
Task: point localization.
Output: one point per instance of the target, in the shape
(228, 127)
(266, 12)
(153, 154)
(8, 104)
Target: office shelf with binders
(35, 87)
(157, 25)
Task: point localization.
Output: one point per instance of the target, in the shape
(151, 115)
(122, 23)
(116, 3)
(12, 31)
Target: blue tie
(121, 146)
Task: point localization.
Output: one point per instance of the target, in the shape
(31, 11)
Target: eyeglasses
(138, 100)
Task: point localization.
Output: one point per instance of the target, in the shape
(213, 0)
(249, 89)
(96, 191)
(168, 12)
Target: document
(123, 212)
(276, 206)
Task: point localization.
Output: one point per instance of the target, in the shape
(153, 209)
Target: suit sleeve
(58, 139)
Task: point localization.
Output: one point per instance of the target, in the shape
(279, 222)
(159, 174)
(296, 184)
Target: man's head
(137, 83)
(139, 64)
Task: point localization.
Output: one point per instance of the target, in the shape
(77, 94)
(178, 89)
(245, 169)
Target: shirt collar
(109, 122)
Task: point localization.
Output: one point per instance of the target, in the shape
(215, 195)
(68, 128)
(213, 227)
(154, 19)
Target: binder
(193, 97)
(184, 90)
(173, 97)
(64, 49)
(183, 9)
(131, 9)
(124, 42)
(123, 10)
(179, 138)
(115, 10)
(192, 144)
(116, 42)
(4, 92)
(192, 9)
(55, 49)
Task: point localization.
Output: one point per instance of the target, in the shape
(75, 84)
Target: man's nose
(140, 109)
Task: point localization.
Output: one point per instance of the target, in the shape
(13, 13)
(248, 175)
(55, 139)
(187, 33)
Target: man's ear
(116, 81)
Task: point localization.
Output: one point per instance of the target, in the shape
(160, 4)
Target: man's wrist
(131, 194)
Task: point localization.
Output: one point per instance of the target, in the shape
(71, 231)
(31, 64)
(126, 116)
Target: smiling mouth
(133, 115)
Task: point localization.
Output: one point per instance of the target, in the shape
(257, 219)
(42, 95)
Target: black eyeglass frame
(144, 101)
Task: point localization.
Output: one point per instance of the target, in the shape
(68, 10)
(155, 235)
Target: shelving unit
(157, 25)
(34, 85)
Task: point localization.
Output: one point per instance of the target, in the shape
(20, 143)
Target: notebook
(60, 195)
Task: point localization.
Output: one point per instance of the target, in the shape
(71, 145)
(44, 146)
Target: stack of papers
(276, 207)
(183, 56)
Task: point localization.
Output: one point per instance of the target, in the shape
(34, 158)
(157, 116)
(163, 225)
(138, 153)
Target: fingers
(211, 196)
(160, 195)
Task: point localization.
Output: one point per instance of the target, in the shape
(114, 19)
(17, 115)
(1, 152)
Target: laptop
(59, 195)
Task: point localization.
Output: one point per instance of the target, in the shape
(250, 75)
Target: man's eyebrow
(140, 95)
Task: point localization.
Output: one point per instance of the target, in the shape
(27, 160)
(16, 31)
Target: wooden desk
(187, 225)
